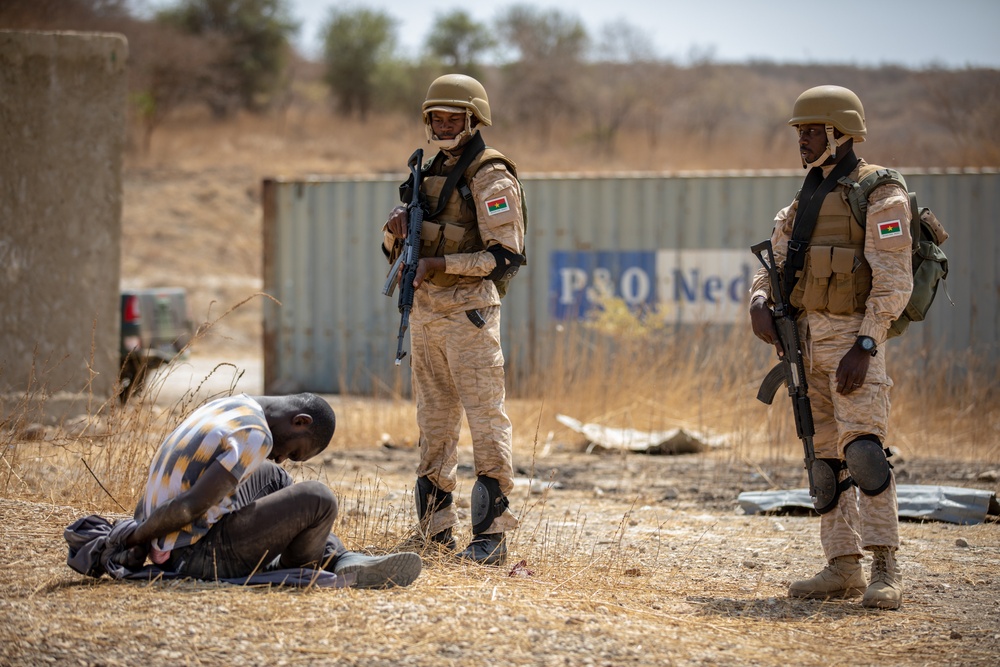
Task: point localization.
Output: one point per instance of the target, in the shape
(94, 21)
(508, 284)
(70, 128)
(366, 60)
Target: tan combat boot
(886, 588)
(843, 577)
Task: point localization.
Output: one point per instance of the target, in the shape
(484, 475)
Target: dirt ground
(619, 560)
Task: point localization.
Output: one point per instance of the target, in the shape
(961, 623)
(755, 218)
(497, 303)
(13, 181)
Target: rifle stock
(410, 256)
(790, 369)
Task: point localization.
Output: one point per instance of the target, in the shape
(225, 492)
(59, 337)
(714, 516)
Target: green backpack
(930, 265)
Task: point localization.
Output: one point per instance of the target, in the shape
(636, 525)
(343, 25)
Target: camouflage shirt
(889, 258)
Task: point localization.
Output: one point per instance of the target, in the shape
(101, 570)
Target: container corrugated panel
(329, 328)
(966, 318)
(334, 331)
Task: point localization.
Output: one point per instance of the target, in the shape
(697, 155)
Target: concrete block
(62, 136)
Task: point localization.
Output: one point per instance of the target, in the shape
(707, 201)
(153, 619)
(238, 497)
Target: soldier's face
(446, 125)
(812, 141)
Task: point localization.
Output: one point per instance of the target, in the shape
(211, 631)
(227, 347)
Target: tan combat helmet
(457, 93)
(835, 107)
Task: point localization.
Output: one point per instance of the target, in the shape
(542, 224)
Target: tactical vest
(456, 229)
(836, 277)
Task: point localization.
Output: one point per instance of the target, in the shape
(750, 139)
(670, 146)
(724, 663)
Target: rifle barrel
(411, 252)
(791, 370)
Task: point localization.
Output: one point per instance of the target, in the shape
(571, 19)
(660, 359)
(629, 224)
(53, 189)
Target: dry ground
(633, 560)
(628, 559)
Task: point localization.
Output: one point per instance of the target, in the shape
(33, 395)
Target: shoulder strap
(858, 192)
(475, 146)
(487, 156)
(814, 191)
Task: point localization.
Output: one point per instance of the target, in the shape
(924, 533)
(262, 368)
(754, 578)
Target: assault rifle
(790, 371)
(410, 256)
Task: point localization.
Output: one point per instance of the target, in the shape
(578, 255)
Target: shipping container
(674, 247)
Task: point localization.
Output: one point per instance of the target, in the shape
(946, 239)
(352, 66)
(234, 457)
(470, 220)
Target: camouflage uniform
(457, 366)
(859, 521)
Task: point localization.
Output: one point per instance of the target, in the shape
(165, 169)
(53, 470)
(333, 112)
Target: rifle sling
(815, 188)
(475, 146)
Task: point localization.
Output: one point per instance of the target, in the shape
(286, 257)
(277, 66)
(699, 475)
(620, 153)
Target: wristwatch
(867, 344)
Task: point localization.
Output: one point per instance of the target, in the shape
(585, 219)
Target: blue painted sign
(689, 286)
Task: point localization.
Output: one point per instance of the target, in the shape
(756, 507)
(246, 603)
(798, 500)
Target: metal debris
(673, 441)
(950, 504)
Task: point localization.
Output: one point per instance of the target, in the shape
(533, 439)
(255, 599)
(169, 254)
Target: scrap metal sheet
(951, 504)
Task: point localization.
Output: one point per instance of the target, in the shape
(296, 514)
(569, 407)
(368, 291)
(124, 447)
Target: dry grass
(627, 560)
(630, 560)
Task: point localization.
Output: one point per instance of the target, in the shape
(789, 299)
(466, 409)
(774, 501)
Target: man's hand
(211, 487)
(396, 224)
(425, 266)
(853, 369)
(131, 558)
(762, 321)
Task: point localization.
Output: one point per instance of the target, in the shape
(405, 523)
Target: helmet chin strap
(448, 144)
(832, 145)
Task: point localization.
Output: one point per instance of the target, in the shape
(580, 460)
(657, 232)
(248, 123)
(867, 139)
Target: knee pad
(430, 498)
(487, 503)
(828, 488)
(869, 465)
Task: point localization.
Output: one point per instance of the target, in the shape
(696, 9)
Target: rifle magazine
(775, 379)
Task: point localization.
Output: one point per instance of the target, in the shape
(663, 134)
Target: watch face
(867, 344)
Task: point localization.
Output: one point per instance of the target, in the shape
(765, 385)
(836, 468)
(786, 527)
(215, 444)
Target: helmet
(458, 93)
(831, 105)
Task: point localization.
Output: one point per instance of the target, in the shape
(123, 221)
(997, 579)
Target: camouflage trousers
(859, 521)
(458, 367)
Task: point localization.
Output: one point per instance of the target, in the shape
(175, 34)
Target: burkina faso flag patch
(886, 230)
(498, 205)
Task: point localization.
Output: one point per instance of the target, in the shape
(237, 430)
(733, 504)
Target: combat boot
(445, 540)
(363, 571)
(886, 588)
(441, 543)
(843, 577)
(487, 549)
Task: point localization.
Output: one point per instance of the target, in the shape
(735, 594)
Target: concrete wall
(62, 133)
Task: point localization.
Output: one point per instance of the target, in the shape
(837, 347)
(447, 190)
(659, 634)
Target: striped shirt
(232, 431)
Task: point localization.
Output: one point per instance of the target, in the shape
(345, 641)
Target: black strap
(814, 190)
(476, 318)
(475, 146)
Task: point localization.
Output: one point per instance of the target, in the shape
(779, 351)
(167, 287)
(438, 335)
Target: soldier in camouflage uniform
(855, 281)
(472, 244)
